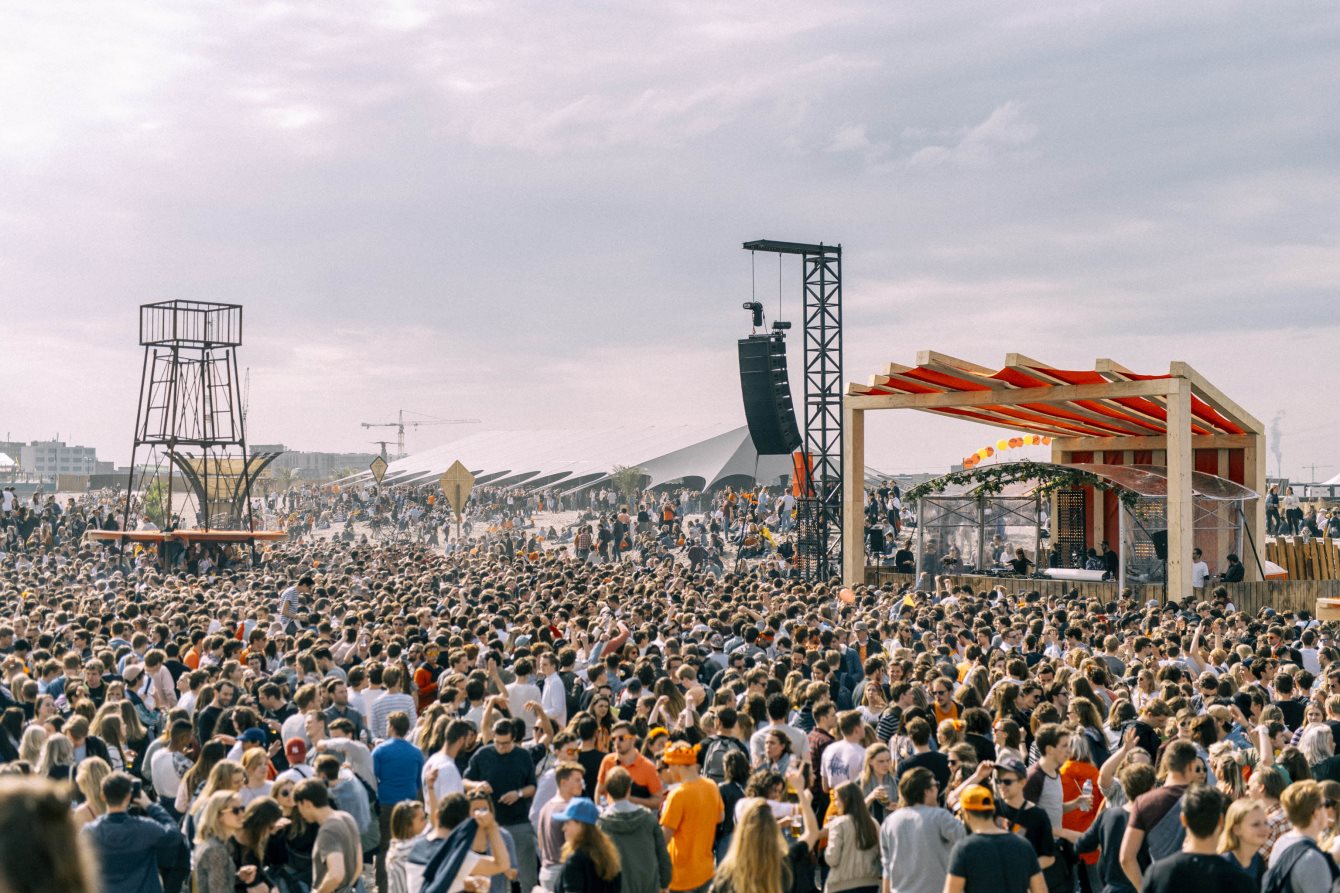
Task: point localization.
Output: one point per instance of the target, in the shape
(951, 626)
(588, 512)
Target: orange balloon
(990, 452)
(1016, 441)
(1046, 441)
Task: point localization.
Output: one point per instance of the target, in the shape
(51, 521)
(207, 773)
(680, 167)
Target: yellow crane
(402, 423)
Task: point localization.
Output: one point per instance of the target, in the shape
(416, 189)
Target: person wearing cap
(295, 751)
(1022, 816)
(693, 809)
(990, 859)
(592, 862)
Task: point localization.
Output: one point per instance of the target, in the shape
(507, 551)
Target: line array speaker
(767, 395)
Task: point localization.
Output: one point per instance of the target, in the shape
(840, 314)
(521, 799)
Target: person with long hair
(219, 818)
(759, 859)
(30, 745)
(250, 844)
(295, 843)
(57, 759)
(88, 779)
(256, 766)
(408, 822)
(41, 850)
(590, 859)
(107, 725)
(194, 779)
(853, 844)
(1245, 831)
(878, 783)
(227, 775)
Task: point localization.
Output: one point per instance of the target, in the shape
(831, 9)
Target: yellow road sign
(378, 467)
(457, 482)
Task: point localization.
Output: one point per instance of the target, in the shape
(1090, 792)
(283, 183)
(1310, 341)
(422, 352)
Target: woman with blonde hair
(227, 776)
(30, 745)
(88, 778)
(57, 758)
(853, 844)
(219, 818)
(1245, 832)
(41, 848)
(757, 859)
(256, 765)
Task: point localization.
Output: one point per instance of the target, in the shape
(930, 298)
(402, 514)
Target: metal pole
(1122, 533)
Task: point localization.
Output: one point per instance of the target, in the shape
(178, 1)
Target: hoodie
(635, 831)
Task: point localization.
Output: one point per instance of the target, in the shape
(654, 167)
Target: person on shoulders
(1198, 868)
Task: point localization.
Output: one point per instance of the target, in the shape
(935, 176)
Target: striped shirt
(387, 704)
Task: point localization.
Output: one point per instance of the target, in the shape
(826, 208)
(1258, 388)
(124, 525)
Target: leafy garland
(990, 480)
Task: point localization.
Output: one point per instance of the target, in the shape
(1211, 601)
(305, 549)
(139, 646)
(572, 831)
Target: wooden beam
(1159, 442)
(1003, 420)
(1254, 512)
(1181, 507)
(931, 357)
(853, 500)
(1015, 396)
(1216, 398)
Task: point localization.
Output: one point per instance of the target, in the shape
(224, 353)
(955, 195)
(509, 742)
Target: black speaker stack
(767, 395)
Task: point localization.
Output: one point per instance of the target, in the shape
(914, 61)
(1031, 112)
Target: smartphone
(136, 789)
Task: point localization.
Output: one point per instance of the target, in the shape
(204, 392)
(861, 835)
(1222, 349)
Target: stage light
(756, 308)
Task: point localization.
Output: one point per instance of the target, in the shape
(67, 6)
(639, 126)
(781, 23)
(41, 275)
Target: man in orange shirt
(692, 812)
(646, 789)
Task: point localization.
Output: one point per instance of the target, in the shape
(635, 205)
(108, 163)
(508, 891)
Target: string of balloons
(1004, 444)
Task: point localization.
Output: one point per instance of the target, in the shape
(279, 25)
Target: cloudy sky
(531, 212)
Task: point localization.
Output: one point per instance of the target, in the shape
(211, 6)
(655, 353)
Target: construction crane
(401, 424)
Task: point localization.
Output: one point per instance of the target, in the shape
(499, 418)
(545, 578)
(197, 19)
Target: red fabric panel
(1142, 457)
(1206, 461)
(947, 382)
(1237, 466)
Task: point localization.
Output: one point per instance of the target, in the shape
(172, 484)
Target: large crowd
(644, 698)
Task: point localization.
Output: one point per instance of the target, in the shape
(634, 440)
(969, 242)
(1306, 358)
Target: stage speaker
(767, 395)
(1160, 540)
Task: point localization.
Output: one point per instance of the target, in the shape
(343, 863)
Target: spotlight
(756, 308)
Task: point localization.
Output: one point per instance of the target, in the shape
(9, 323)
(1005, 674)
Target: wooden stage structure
(1108, 415)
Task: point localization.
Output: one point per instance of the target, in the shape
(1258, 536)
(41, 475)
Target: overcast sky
(531, 212)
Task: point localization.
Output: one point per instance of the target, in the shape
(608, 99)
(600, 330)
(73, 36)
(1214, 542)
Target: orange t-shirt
(1073, 776)
(692, 810)
(643, 772)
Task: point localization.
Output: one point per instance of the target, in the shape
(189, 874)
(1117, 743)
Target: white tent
(569, 459)
(5, 461)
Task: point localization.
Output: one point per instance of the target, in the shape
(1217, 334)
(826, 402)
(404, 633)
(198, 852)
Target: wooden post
(853, 501)
(1254, 512)
(1181, 510)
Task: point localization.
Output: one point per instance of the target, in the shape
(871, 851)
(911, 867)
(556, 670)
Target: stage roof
(1032, 396)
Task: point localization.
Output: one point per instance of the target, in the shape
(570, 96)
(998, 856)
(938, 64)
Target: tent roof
(569, 459)
(1037, 398)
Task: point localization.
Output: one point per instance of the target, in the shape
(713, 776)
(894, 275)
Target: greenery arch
(990, 480)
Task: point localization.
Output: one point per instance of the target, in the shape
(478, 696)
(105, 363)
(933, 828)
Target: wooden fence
(1282, 595)
(1318, 559)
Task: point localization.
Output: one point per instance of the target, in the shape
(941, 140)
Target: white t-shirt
(842, 762)
(1200, 572)
(448, 775)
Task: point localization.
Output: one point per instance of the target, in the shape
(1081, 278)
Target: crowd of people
(511, 713)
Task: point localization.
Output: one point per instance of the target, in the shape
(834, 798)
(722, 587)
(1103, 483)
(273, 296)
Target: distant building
(49, 458)
(313, 466)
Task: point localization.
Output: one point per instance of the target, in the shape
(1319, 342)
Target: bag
(1276, 878)
(714, 756)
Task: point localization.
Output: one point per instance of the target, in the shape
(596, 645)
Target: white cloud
(1004, 130)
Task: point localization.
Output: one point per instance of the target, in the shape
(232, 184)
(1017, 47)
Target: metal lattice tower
(191, 417)
(820, 550)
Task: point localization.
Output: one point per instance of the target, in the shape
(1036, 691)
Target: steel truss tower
(820, 513)
(191, 417)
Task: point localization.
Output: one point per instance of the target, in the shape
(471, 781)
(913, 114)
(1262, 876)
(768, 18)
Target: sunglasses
(237, 810)
(1006, 782)
(1329, 804)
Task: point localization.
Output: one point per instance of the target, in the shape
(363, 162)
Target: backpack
(714, 756)
(1276, 878)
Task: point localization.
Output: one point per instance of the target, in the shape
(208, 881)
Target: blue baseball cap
(579, 809)
(253, 736)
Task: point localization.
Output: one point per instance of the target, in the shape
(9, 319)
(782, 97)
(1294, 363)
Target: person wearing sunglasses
(215, 871)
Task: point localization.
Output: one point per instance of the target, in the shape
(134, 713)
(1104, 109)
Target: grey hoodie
(635, 832)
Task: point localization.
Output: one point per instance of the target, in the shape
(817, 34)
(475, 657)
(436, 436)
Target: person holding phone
(129, 845)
